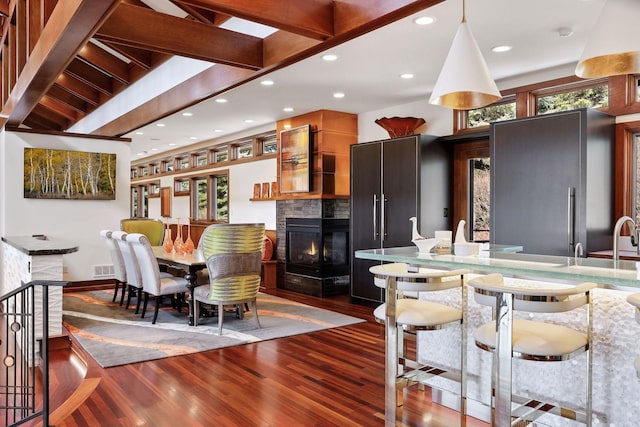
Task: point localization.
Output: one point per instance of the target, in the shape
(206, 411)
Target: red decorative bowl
(400, 126)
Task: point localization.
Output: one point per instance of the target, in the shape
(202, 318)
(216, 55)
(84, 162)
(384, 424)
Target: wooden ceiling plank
(147, 29)
(54, 120)
(59, 108)
(79, 89)
(71, 100)
(90, 76)
(204, 85)
(309, 18)
(106, 62)
(70, 25)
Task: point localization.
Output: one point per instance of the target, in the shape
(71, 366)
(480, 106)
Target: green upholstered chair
(152, 228)
(234, 254)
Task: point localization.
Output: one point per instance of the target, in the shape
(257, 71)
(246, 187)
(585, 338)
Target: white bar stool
(634, 299)
(527, 339)
(402, 314)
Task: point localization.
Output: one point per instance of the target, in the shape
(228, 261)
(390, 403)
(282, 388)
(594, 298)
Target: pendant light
(464, 82)
(614, 45)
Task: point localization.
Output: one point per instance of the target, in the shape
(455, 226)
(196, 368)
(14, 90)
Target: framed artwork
(165, 201)
(265, 190)
(65, 174)
(256, 191)
(295, 169)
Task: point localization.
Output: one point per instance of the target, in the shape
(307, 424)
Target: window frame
(211, 182)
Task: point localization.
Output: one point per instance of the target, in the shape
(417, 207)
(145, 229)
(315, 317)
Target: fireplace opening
(317, 247)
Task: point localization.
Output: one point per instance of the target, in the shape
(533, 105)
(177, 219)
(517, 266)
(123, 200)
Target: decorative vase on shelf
(400, 126)
(188, 244)
(178, 244)
(168, 243)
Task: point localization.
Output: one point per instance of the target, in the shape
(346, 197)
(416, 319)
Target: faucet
(616, 234)
(578, 252)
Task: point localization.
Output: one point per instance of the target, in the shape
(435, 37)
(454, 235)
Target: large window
(210, 197)
(493, 113)
(139, 201)
(480, 195)
(471, 188)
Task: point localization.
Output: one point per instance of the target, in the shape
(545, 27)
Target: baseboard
(90, 285)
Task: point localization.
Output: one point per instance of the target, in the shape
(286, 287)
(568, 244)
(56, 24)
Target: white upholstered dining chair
(153, 282)
(120, 272)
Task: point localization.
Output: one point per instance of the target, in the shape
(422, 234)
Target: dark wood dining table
(190, 263)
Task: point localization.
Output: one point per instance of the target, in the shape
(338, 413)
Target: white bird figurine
(414, 232)
(460, 232)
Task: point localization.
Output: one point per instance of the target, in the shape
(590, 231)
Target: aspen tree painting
(63, 174)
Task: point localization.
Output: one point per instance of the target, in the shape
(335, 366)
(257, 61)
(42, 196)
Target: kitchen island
(616, 388)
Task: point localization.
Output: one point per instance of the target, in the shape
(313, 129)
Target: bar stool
(526, 339)
(634, 299)
(410, 315)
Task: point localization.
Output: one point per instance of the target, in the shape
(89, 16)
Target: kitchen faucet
(616, 234)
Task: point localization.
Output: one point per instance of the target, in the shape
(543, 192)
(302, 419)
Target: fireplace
(317, 255)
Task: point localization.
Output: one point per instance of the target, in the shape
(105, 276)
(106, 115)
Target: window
(210, 197)
(144, 171)
(134, 172)
(167, 165)
(636, 180)
(480, 195)
(183, 163)
(492, 113)
(200, 159)
(154, 189)
(270, 147)
(243, 150)
(155, 168)
(181, 187)
(593, 97)
(221, 154)
(637, 85)
(471, 182)
(139, 201)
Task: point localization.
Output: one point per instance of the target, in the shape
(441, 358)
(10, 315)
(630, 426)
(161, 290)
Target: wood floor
(328, 378)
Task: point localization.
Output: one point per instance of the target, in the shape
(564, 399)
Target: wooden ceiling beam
(147, 29)
(79, 89)
(59, 108)
(71, 24)
(309, 18)
(106, 62)
(50, 119)
(65, 97)
(90, 76)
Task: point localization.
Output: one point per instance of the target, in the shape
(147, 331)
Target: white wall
(76, 220)
(242, 177)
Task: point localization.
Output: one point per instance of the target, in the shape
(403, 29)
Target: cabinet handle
(383, 218)
(375, 217)
(571, 202)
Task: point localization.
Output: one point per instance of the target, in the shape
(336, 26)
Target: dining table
(189, 263)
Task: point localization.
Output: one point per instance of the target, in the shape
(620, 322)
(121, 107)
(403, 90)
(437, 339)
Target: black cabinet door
(536, 182)
(400, 186)
(365, 216)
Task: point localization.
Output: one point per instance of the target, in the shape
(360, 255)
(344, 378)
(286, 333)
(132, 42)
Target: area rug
(114, 336)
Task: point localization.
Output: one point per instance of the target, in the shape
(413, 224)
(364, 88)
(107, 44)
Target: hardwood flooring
(328, 378)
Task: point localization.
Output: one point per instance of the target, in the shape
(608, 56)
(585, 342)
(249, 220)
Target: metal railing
(24, 333)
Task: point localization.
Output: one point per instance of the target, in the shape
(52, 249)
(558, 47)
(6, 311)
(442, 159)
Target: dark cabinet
(552, 182)
(387, 190)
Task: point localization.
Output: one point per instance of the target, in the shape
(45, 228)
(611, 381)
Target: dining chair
(234, 259)
(153, 282)
(134, 285)
(119, 268)
(152, 228)
(532, 339)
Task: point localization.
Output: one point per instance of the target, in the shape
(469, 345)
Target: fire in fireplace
(317, 247)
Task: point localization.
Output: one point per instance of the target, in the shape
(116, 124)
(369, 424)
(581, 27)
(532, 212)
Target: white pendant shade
(614, 45)
(464, 81)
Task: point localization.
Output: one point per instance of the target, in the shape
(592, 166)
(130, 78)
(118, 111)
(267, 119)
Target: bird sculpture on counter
(414, 232)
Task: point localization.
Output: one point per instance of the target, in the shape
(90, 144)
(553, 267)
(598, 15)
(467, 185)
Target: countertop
(629, 255)
(41, 245)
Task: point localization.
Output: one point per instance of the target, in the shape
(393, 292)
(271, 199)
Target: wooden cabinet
(392, 181)
(552, 182)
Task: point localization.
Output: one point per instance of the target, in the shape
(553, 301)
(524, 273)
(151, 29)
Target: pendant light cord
(464, 15)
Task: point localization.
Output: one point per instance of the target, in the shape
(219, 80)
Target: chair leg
(220, 318)
(155, 311)
(129, 297)
(196, 312)
(144, 307)
(115, 292)
(139, 299)
(124, 291)
(254, 307)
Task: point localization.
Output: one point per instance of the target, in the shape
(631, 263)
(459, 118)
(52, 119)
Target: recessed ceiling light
(221, 100)
(142, 153)
(338, 95)
(193, 137)
(424, 20)
(406, 76)
(565, 32)
(287, 109)
(248, 121)
(267, 83)
(287, 126)
(171, 144)
(501, 48)
(187, 114)
(154, 149)
(139, 133)
(161, 125)
(330, 57)
(218, 130)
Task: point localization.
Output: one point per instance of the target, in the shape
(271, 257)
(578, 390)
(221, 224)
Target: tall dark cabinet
(390, 182)
(552, 182)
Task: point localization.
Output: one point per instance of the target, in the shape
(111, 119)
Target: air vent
(103, 270)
